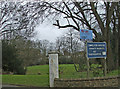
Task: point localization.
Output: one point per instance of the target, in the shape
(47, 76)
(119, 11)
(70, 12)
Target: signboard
(86, 34)
(96, 50)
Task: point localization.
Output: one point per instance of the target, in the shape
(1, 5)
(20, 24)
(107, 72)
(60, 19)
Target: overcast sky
(48, 31)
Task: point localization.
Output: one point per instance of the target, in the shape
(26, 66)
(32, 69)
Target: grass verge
(27, 80)
(32, 78)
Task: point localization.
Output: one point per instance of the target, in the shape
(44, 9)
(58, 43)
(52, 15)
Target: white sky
(48, 31)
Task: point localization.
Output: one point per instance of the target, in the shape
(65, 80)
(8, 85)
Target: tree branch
(65, 26)
(101, 25)
(71, 15)
(82, 12)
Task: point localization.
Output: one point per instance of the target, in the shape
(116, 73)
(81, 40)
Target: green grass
(26, 80)
(43, 69)
(68, 71)
(113, 73)
(32, 78)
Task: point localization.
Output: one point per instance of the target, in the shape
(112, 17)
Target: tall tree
(26, 51)
(19, 18)
(96, 16)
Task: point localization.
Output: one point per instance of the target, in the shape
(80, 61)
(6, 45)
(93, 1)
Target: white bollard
(53, 67)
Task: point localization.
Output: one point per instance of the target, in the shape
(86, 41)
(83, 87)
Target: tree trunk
(119, 39)
(110, 61)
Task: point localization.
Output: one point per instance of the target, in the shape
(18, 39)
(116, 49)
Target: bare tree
(100, 17)
(69, 45)
(20, 18)
(96, 16)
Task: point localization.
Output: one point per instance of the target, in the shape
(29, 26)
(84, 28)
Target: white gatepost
(0, 64)
(53, 67)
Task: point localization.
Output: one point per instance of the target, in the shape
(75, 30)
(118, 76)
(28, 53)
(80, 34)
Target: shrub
(97, 69)
(10, 61)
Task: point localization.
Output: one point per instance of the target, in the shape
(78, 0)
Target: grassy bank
(42, 80)
(27, 80)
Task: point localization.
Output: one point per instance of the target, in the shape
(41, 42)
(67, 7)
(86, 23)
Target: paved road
(9, 86)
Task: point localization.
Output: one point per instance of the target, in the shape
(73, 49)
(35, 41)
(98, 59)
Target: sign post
(86, 35)
(97, 50)
(87, 59)
(88, 67)
(93, 49)
(105, 68)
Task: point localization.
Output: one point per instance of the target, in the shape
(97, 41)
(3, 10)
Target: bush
(97, 69)
(10, 61)
(65, 60)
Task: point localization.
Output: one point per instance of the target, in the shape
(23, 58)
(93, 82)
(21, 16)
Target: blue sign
(96, 50)
(86, 34)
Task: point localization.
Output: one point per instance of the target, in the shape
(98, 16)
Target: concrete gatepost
(0, 64)
(53, 67)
